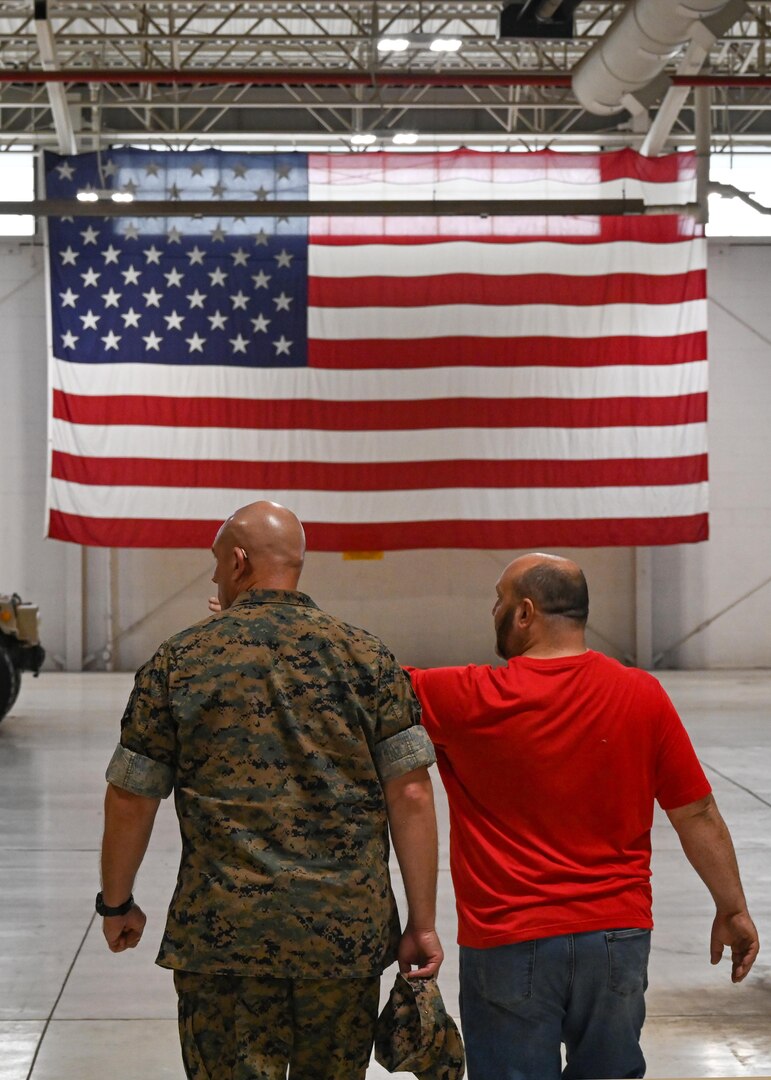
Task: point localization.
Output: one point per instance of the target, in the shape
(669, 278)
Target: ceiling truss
(296, 48)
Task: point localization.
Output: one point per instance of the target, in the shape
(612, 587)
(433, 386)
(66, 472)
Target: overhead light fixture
(393, 44)
(94, 195)
(405, 138)
(431, 42)
(447, 44)
(364, 139)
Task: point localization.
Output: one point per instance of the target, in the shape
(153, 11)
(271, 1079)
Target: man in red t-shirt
(552, 764)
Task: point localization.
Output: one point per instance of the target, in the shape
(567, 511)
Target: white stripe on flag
(436, 444)
(410, 384)
(476, 257)
(462, 504)
(482, 321)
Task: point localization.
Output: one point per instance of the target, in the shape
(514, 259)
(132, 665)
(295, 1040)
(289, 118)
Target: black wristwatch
(122, 909)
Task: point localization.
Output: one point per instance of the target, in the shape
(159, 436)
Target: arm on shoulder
(707, 844)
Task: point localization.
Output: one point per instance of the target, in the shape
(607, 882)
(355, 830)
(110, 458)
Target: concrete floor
(70, 1010)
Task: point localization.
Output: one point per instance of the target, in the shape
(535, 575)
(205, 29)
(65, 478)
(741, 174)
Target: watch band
(121, 909)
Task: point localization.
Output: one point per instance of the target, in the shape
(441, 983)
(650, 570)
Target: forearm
(412, 821)
(708, 847)
(128, 824)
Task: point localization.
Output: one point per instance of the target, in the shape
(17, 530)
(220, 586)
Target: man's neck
(554, 650)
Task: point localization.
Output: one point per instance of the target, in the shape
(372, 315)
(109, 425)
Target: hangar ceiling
(277, 72)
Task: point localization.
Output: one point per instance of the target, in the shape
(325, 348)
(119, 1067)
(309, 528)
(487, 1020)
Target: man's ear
(526, 612)
(240, 561)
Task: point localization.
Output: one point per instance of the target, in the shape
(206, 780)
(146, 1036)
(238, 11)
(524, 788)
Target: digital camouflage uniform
(275, 725)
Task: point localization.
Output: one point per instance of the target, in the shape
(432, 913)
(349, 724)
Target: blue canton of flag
(217, 290)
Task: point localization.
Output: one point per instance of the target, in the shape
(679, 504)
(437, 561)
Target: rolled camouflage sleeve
(410, 749)
(145, 760)
(139, 774)
(402, 743)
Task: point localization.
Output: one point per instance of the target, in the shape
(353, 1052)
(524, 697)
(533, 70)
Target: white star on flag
(196, 298)
(110, 255)
(218, 189)
(153, 297)
(69, 256)
(69, 298)
(152, 341)
(260, 324)
(261, 193)
(111, 298)
(239, 301)
(261, 239)
(89, 320)
(195, 342)
(131, 318)
(152, 255)
(111, 340)
(91, 276)
(174, 236)
(65, 171)
(174, 321)
(261, 280)
(218, 276)
(283, 258)
(282, 346)
(131, 275)
(240, 257)
(239, 172)
(173, 277)
(239, 343)
(131, 232)
(282, 302)
(151, 169)
(110, 169)
(69, 340)
(218, 234)
(217, 320)
(175, 192)
(89, 235)
(195, 255)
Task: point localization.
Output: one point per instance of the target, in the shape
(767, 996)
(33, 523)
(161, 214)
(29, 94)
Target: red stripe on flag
(408, 475)
(131, 532)
(380, 415)
(507, 290)
(506, 352)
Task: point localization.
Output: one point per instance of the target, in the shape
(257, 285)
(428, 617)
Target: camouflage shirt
(275, 725)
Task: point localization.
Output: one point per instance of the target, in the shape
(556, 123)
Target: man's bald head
(543, 604)
(261, 545)
(556, 586)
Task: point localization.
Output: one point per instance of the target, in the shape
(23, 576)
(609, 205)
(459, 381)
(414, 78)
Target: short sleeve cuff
(401, 753)
(139, 774)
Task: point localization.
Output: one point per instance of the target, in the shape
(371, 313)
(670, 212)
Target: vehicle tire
(10, 680)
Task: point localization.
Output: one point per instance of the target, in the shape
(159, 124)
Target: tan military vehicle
(20, 648)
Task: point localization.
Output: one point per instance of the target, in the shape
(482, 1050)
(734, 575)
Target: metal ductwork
(636, 48)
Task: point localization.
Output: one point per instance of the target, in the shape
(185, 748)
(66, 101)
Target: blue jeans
(519, 1002)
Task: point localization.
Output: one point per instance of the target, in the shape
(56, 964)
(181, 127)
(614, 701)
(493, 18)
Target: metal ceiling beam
(57, 97)
(334, 208)
(227, 77)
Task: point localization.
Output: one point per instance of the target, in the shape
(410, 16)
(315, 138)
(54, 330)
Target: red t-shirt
(551, 769)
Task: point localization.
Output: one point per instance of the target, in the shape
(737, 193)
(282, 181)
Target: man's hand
(739, 933)
(421, 947)
(214, 604)
(124, 931)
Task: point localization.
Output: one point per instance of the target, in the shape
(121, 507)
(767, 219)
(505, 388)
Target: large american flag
(399, 382)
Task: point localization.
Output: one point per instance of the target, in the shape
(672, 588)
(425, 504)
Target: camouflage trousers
(236, 1028)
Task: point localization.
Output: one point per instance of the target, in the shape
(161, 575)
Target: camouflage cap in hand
(415, 1033)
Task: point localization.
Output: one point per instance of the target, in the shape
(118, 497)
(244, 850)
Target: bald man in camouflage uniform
(291, 742)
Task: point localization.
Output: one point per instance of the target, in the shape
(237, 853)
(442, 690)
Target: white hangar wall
(431, 607)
